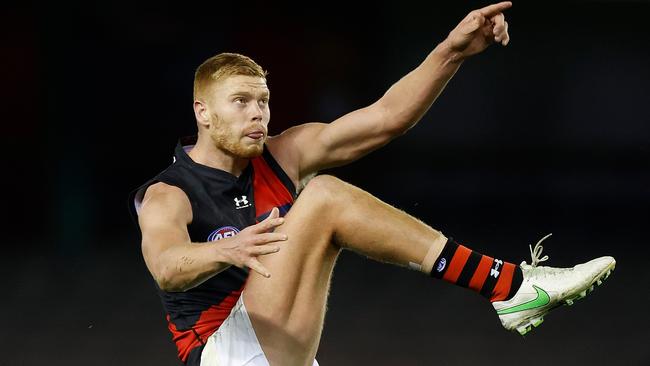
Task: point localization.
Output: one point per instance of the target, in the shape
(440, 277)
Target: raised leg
(287, 309)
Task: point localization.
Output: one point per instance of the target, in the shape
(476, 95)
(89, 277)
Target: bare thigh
(287, 309)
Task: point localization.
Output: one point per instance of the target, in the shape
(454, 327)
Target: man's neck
(206, 153)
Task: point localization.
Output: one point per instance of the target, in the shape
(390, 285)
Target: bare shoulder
(289, 147)
(165, 202)
(164, 215)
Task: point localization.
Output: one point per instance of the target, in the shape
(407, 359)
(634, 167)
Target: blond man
(229, 204)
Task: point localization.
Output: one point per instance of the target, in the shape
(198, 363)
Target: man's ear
(201, 113)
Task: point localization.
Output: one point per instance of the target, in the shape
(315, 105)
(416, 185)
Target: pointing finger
(494, 9)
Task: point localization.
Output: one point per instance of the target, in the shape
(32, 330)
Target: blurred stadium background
(551, 134)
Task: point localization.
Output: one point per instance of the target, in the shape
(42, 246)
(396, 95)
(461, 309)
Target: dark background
(550, 134)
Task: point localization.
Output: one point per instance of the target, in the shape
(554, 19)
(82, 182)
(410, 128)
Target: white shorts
(235, 342)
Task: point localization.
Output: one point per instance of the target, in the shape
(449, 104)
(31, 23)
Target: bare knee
(325, 189)
(332, 200)
(324, 181)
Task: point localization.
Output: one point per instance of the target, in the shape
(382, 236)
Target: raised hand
(243, 249)
(479, 29)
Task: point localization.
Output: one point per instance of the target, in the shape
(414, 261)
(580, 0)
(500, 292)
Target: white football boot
(545, 288)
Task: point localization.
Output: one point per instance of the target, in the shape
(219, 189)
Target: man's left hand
(479, 29)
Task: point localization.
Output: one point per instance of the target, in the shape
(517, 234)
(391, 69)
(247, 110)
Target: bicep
(317, 146)
(163, 219)
(352, 136)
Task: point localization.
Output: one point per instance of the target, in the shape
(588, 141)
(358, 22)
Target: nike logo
(542, 299)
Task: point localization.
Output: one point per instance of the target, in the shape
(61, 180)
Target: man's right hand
(243, 249)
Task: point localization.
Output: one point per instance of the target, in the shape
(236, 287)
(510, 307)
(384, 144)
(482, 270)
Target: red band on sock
(502, 288)
(457, 263)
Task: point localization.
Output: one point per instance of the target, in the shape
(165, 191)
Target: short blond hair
(221, 66)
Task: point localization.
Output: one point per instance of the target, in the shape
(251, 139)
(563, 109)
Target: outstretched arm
(308, 148)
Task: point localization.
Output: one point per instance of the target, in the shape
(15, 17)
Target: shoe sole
(536, 321)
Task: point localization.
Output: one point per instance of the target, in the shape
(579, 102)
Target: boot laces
(536, 257)
(536, 253)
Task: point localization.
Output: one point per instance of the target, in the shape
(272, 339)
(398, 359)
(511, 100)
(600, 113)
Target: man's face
(239, 113)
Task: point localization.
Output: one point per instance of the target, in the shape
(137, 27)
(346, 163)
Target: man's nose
(256, 112)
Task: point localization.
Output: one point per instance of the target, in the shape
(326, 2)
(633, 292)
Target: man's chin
(252, 151)
(246, 150)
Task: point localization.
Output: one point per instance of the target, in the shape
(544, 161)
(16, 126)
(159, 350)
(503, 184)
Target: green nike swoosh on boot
(542, 299)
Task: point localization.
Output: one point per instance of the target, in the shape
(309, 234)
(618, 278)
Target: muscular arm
(320, 145)
(175, 262)
(310, 147)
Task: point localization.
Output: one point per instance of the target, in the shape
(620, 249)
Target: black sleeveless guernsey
(222, 205)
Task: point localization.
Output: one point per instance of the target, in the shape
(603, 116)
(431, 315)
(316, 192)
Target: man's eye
(240, 100)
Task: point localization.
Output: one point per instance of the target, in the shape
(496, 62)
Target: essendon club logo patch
(441, 264)
(223, 232)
